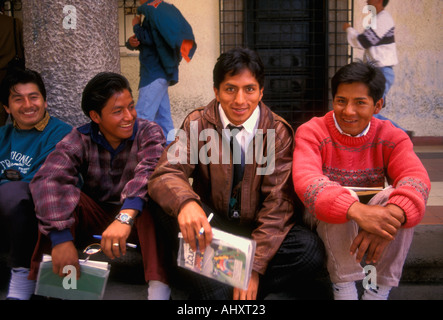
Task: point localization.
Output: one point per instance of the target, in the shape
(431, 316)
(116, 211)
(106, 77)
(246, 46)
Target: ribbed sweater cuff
(340, 207)
(413, 215)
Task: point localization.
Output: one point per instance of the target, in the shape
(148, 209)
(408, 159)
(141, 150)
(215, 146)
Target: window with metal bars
(13, 8)
(127, 9)
(301, 43)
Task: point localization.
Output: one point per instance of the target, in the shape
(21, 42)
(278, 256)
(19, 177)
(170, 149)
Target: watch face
(125, 218)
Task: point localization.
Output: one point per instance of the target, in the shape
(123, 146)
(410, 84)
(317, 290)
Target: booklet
(227, 259)
(90, 286)
(365, 188)
(364, 191)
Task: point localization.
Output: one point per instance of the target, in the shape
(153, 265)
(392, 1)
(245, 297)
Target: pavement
(422, 274)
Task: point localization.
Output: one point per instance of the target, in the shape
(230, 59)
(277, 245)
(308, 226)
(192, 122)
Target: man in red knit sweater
(348, 149)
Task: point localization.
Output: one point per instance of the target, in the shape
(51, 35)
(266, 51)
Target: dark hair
(385, 3)
(236, 60)
(22, 76)
(100, 89)
(366, 73)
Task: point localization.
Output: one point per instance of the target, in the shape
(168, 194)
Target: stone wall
(70, 46)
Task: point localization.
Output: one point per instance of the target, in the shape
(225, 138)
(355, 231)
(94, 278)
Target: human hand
(64, 254)
(191, 219)
(133, 41)
(251, 292)
(114, 238)
(379, 220)
(370, 244)
(345, 26)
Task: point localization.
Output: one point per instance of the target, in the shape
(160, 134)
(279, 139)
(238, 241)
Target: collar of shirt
(93, 130)
(362, 134)
(250, 126)
(40, 126)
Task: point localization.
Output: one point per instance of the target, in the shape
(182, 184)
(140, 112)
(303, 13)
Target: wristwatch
(125, 218)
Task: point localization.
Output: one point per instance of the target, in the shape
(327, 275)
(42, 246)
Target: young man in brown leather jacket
(261, 205)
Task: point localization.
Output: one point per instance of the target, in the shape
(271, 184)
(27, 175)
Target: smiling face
(239, 95)
(117, 118)
(354, 108)
(26, 105)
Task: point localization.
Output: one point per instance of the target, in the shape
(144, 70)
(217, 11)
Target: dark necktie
(238, 159)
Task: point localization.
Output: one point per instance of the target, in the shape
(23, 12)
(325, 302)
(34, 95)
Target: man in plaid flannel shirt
(95, 182)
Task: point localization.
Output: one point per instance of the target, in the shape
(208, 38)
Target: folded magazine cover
(227, 259)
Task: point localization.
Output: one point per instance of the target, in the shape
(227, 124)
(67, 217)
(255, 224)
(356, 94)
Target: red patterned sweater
(325, 161)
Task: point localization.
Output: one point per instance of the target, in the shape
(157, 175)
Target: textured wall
(416, 98)
(68, 53)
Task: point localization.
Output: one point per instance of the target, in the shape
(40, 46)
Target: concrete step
(422, 277)
(422, 274)
(424, 263)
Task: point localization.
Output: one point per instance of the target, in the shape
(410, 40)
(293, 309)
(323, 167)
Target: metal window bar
(231, 24)
(339, 53)
(13, 8)
(126, 11)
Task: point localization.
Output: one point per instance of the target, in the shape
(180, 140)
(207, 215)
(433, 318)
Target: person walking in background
(163, 38)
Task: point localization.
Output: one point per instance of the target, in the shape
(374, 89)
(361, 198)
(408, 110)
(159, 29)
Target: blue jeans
(153, 104)
(388, 72)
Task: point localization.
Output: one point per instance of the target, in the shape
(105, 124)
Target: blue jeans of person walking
(153, 104)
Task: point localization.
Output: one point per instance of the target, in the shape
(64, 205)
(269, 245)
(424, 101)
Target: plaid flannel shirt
(84, 162)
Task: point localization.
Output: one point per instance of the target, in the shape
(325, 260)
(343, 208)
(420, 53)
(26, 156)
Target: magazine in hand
(90, 286)
(227, 259)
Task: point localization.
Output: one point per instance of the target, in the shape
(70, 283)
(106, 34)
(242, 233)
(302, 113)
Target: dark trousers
(298, 262)
(93, 218)
(18, 224)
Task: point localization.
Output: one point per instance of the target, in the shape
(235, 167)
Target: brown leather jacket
(267, 201)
